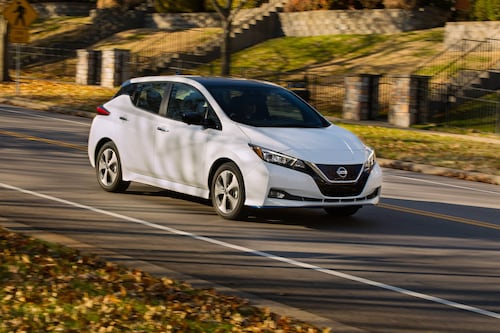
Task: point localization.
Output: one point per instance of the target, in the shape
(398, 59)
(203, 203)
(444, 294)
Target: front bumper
(275, 186)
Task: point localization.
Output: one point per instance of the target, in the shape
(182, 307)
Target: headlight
(278, 158)
(370, 162)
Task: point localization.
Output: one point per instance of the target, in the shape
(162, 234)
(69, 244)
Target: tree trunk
(4, 45)
(226, 50)
(227, 14)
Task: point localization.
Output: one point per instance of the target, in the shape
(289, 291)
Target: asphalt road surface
(427, 259)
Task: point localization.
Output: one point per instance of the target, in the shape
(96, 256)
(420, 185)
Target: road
(425, 260)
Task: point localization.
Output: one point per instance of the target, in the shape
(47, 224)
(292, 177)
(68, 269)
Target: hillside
(333, 54)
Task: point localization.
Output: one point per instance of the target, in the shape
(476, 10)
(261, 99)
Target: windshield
(265, 106)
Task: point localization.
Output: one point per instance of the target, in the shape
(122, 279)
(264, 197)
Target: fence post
(88, 67)
(361, 100)
(115, 67)
(409, 100)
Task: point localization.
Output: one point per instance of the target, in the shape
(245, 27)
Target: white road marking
(262, 254)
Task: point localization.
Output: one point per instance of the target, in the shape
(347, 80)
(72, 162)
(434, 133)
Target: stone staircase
(250, 27)
(464, 71)
(475, 84)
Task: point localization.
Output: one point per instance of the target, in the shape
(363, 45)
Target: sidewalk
(385, 163)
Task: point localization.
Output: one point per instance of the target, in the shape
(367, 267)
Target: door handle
(162, 129)
(123, 118)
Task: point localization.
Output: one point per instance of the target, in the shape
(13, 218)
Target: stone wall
(167, 21)
(376, 21)
(456, 31)
(178, 21)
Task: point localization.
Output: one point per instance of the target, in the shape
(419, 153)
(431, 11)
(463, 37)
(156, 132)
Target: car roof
(203, 80)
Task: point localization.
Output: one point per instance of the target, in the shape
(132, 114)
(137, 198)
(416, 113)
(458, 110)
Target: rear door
(138, 122)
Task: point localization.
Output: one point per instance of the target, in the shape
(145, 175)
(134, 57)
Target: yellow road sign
(20, 14)
(19, 35)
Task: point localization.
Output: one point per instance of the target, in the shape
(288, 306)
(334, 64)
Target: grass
(294, 53)
(151, 42)
(480, 114)
(339, 54)
(50, 27)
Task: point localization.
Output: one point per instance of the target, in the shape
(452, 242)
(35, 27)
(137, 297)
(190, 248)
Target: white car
(240, 143)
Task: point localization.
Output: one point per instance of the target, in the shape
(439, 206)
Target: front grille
(335, 172)
(342, 189)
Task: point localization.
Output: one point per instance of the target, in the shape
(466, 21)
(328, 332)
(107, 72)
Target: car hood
(328, 145)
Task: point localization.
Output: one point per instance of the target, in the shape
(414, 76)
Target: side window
(184, 98)
(148, 96)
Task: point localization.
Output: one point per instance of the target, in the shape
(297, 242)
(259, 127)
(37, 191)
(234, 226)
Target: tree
(487, 10)
(4, 44)
(122, 4)
(226, 12)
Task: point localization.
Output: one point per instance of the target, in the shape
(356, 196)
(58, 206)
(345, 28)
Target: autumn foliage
(50, 288)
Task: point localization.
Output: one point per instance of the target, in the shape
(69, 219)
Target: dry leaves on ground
(48, 288)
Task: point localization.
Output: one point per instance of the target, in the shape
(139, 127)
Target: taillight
(102, 111)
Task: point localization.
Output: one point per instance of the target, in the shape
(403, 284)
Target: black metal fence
(465, 83)
(42, 62)
(458, 95)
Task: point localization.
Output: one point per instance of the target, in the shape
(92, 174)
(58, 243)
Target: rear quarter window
(145, 95)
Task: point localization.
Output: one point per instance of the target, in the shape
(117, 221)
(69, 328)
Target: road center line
(261, 254)
(440, 216)
(44, 140)
(38, 115)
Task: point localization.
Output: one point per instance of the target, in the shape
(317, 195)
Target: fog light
(276, 194)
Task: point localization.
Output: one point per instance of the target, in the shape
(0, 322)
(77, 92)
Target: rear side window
(145, 95)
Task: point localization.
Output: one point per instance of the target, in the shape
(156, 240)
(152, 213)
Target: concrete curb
(439, 171)
(393, 164)
(45, 106)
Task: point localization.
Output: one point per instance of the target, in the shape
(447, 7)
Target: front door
(181, 148)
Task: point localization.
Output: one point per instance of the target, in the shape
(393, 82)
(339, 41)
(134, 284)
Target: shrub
(400, 4)
(174, 6)
(443, 4)
(372, 4)
(305, 5)
(487, 10)
(193, 6)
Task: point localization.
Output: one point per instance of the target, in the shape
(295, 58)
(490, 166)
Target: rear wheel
(109, 169)
(342, 211)
(228, 192)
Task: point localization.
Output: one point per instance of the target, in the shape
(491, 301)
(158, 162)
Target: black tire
(342, 211)
(109, 169)
(227, 192)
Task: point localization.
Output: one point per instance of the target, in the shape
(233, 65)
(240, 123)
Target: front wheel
(109, 169)
(342, 211)
(228, 192)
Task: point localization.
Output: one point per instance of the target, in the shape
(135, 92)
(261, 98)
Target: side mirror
(196, 118)
(193, 118)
